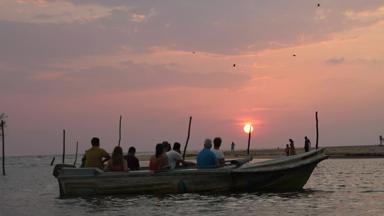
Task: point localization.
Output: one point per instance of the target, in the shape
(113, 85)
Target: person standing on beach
(95, 156)
(232, 147)
(292, 150)
(307, 144)
(287, 150)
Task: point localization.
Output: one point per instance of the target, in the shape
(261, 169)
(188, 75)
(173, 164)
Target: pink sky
(79, 65)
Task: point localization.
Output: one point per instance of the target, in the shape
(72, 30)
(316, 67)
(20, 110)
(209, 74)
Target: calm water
(337, 187)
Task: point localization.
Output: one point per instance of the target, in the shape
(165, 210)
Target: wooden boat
(283, 174)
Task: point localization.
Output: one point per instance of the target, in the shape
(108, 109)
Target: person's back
(95, 156)
(174, 158)
(132, 161)
(159, 161)
(216, 150)
(206, 158)
(117, 162)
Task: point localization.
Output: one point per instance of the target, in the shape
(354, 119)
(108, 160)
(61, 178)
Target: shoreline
(366, 151)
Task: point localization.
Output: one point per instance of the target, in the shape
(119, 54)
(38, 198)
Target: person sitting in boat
(216, 149)
(159, 161)
(206, 159)
(95, 156)
(117, 162)
(132, 161)
(175, 159)
(167, 146)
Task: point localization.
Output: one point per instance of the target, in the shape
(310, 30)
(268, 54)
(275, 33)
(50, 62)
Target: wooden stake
(317, 131)
(77, 147)
(63, 146)
(3, 141)
(189, 133)
(249, 140)
(119, 131)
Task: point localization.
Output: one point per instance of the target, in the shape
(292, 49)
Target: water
(337, 187)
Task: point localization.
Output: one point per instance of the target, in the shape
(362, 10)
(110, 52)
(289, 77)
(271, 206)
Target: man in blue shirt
(206, 159)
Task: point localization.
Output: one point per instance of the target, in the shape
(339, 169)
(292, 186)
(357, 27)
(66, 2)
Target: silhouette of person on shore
(232, 146)
(292, 150)
(381, 140)
(287, 150)
(307, 144)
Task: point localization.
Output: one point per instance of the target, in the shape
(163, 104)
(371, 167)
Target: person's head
(167, 146)
(305, 137)
(217, 142)
(291, 141)
(176, 146)
(95, 141)
(208, 143)
(117, 155)
(132, 150)
(159, 149)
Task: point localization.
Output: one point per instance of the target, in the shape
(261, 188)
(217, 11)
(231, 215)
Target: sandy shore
(366, 151)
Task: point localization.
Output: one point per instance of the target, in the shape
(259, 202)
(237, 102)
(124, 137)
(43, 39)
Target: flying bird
(294, 55)
(234, 65)
(318, 4)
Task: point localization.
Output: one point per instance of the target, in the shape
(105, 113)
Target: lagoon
(336, 187)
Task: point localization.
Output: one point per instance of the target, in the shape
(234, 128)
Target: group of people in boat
(291, 150)
(164, 158)
(97, 157)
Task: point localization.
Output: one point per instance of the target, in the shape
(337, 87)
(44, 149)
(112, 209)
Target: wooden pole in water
(249, 139)
(3, 141)
(189, 133)
(53, 160)
(119, 131)
(63, 146)
(317, 131)
(77, 147)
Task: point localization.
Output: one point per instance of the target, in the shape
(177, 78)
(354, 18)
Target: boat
(288, 173)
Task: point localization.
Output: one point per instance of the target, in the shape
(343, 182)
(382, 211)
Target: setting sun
(248, 128)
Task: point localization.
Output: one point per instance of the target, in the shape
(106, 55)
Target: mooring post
(63, 146)
(77, 147)
(3, 144)
(317, 131)
(189, 133)
(119, 130)
(249, 139)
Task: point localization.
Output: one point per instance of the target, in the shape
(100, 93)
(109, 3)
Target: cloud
(335, 61)
(372, 15)
(42, 11)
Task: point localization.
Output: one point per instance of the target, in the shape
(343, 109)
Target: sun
(248, 128)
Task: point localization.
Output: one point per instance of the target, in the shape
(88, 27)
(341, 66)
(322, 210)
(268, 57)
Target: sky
(80, 64)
